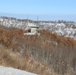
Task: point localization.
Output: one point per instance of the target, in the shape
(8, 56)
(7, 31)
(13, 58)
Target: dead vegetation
(47, 54)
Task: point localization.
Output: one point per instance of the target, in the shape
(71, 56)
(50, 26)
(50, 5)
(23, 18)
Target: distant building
(32, 29)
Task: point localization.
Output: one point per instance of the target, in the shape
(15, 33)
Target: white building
(32, 29)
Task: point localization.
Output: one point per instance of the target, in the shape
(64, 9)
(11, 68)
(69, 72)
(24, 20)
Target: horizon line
(43, 17)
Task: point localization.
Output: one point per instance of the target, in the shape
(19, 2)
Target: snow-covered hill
(12, 22)
(63, 29)
(12, 71)
(67, 29)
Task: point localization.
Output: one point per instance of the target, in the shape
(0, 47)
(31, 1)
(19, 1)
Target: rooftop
(32, 25)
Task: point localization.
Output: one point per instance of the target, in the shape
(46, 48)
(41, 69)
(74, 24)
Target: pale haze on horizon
(45, 9)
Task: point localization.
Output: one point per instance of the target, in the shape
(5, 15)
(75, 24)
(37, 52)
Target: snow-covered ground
(12, 71)
(63, 29)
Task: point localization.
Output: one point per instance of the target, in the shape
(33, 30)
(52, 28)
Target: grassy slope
(45, 54)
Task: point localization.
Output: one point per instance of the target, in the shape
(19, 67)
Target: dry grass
(47, 54)
(9, 58)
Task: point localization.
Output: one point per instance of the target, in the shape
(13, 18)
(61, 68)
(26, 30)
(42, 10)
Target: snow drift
(12, 71)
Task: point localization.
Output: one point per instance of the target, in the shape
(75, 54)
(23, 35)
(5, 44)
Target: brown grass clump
(8, 37)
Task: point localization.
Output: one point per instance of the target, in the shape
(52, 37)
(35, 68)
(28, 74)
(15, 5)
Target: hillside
(45, 54)
(65, 28)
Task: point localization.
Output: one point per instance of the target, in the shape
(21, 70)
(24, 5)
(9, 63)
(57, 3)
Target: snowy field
(12, 71)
